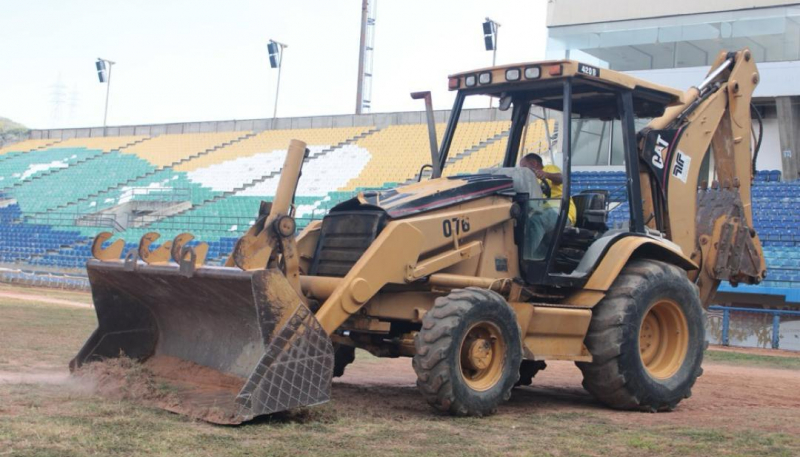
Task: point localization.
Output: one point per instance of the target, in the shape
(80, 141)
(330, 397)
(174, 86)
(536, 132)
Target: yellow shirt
(556, 192)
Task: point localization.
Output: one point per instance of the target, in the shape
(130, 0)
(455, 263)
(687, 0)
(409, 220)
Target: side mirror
(505, 103)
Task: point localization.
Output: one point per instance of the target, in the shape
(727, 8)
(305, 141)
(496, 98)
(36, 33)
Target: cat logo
(682, 164)
(658, 152)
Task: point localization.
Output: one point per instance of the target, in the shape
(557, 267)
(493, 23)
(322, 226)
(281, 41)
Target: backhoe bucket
(231, 344)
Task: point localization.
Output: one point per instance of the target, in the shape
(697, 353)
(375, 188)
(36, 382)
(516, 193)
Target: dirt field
(746, 403)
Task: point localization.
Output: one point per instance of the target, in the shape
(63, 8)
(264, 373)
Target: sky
(198, 60)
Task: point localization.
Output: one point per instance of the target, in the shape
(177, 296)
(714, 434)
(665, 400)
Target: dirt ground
(746, 403)
(44, 295)
(725, 396)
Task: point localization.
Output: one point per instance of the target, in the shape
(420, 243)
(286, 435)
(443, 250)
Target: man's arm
(554, 177)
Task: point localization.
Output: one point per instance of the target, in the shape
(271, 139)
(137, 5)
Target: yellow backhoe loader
(479, 278)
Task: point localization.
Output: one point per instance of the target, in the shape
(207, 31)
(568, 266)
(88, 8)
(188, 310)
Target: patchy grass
(68, 420)
(35, 335)
(49, 421)
(753, 360)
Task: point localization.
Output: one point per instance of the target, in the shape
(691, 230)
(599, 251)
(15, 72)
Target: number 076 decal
(460, 225)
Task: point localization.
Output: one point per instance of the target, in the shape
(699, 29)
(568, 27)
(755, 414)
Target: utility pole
(276, 61)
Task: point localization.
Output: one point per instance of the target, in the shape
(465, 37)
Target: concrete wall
(769, 157)
(258, 125)
(572, 12)
(777, 78)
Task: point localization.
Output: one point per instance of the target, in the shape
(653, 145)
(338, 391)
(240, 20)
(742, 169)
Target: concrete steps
(152, 172)
(40, 148)
(462, 155)
(271, 175)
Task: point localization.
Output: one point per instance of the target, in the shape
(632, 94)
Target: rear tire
(468, 353)
(647, 338)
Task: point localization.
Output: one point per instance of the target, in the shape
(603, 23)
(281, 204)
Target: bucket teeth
(158, 256)
(111, 253)
(181, 253)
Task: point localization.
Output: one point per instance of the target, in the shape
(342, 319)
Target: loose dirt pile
(168, 383)
(125, 379)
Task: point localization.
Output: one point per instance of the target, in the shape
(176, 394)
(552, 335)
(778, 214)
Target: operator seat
(591, 206)
(590, 224)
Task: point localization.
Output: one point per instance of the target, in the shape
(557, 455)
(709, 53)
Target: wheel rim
(483, 354)
(663, 339)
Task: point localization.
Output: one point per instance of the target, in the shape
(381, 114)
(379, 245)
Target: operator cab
(543, 102)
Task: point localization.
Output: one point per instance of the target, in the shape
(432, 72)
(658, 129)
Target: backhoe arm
(711, 224)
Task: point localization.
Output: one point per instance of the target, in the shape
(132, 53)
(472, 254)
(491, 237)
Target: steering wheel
(546, 191)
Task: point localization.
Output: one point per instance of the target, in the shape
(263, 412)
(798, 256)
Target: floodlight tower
(104, 75)
(367, 46)
(275, 49)
(490, 29)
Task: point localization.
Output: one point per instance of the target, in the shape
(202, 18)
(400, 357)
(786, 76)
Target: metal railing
(70, 220)
(130, 194)
(232, 225)
(165, 194)
(776, 321)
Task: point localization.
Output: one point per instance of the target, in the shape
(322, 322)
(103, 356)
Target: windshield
(481, 139)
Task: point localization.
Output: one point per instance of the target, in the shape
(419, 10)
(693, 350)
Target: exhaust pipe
(437, 169)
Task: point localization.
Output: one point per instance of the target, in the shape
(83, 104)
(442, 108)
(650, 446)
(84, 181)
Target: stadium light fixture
(490, 29)
(104, 75)
(275, 49)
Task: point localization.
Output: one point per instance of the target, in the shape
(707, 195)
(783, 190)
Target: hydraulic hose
(760, 135)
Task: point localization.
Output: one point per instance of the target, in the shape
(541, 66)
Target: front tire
(468, 353)
(646, 338)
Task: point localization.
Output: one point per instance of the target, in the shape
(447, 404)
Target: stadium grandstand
(60, 188)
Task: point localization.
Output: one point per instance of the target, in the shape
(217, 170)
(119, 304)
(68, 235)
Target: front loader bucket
(232, 344)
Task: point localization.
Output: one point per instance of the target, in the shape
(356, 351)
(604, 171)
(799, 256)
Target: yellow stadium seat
(165, 150)
(27, 145)
(271, 140)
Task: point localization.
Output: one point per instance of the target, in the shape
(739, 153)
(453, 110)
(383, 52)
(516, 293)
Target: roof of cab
(593, 88)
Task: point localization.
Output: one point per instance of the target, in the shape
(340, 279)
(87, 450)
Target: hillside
(9, 126)
(11, 132)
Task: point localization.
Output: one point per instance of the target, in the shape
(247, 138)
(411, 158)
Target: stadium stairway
(71, 256)
(152, 172)
(461, 155)
(266, 177)
(20, 242)
(74, 254)
(17, 149)
(468, 152)
(44, 175)
(24, 168)
(88, 155)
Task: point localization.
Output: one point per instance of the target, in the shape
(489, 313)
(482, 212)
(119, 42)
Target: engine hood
(429, 195)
